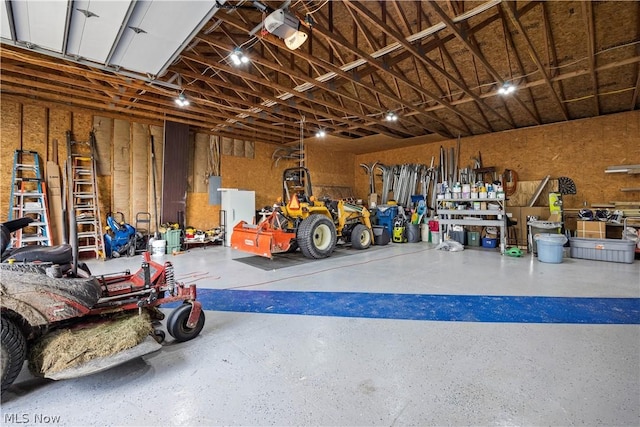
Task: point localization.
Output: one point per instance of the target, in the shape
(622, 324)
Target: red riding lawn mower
(46, 295)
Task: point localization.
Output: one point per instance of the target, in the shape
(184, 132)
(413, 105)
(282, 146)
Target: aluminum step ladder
(83, 198)
(29, 199)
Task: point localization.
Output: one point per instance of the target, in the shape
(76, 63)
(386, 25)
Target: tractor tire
(317, 236)
(177, 324)
(360, 237)
(13, 352)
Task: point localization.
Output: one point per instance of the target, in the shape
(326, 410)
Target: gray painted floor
(282, 369)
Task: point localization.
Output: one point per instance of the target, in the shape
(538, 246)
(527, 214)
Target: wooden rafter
(284, 90)
(509, 8)
(420, 55)
(587, 10)
(509, 44)
(477, 54)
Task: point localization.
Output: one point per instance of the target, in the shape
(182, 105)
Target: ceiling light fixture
(182, 100)
(321, 133)
(238, 58)
(507, 89)
(391, 116)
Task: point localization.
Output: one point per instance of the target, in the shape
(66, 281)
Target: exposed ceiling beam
(510, 9)
(384, 67)
(283, 89)
(477, 54)
(421, 56)
(587, 11)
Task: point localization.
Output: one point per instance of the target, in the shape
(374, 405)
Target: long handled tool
(156, 234)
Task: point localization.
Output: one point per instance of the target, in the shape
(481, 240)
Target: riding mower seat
(60, 254)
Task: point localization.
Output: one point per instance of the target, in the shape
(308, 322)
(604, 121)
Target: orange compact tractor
(300, 220)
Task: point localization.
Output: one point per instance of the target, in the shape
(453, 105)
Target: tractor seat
(60, 254)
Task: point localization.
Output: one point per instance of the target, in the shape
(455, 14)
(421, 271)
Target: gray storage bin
(458, 236)
(612, 250)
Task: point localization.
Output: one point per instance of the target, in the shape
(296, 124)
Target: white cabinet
(236, 205)
(449, 214)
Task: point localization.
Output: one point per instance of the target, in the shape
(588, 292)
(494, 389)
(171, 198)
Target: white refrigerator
(236, 205)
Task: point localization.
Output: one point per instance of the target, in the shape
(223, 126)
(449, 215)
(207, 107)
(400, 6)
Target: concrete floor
(395, 335)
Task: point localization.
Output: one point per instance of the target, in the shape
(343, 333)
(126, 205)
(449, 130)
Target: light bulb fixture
(391, 116)
(182, 100)
(238, 58)
(321, 133)
(507, 89)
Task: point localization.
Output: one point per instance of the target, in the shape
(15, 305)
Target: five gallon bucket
(158, 247)
(550, 247)
(424, 232)
(413, 233)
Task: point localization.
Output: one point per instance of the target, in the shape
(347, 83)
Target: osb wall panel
(38, 125)
(9, 141)
(200, 163)
(121, 168)
(155, 174)
(82, 125)
(200, 214)
(139, 167)
(580, 150)
(261, 175)
(103, 130)
(191, 160)
(34, 130)
(258, 174)
(31, 126)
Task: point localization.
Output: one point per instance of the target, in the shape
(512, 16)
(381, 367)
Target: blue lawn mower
(121, 238)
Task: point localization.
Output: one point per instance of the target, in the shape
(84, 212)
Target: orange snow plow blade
(262, 240)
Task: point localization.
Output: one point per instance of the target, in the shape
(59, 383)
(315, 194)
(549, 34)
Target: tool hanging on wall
(387, 181)
(509, 181)
(156, 233)
(566, 185)
(370, 170)
(287, 153)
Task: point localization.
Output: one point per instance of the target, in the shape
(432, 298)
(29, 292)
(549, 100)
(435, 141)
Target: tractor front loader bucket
(262, 240)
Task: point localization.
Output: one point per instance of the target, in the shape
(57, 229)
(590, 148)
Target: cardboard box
(591, 229)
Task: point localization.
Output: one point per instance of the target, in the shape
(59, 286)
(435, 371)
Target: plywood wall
(580, 150)
(34, 126)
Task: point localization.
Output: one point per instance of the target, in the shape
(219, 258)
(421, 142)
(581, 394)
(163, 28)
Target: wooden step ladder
(29, 199)
(83, 197)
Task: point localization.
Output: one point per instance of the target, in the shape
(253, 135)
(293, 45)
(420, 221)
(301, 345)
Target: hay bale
(66, 348)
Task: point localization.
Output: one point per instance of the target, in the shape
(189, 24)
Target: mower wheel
(317, 236)
(360, 237)
(159, 336)
(131, 250)
(13, 352)
(177, 324)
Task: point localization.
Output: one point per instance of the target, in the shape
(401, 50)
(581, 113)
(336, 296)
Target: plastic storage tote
(603, 249)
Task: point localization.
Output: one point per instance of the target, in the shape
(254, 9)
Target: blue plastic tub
(550, 247)
(489, 242)
(385, 215)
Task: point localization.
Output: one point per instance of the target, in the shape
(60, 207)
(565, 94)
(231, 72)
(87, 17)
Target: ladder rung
(30, 239)
(37, 224)
(88, 235)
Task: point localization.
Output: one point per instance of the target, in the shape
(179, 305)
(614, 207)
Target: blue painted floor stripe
(453, 308)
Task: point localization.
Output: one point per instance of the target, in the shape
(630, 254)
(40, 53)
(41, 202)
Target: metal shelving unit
(447, 216)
